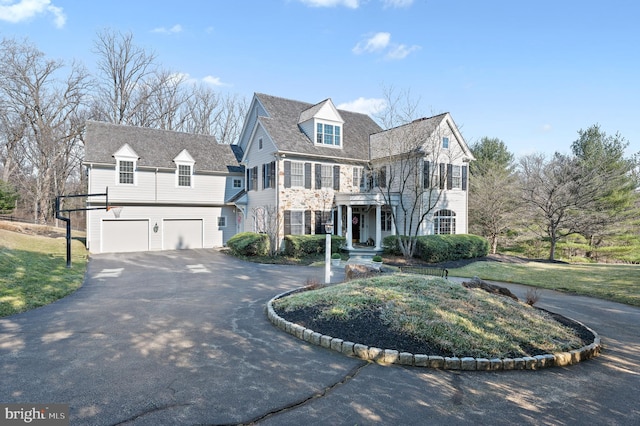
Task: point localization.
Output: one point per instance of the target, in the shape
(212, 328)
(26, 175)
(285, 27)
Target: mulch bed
(368, 329)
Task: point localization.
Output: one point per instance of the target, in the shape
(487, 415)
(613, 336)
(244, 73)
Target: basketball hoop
(116, 210)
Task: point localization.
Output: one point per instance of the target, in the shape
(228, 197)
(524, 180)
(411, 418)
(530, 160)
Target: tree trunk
(494, 244)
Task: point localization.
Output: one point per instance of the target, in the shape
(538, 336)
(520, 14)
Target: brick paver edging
(389, 356)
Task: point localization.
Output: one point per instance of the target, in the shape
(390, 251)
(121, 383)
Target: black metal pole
(68, 243)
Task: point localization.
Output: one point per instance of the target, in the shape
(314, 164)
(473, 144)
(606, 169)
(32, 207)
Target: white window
(222, 221)
(445, 143)
(237, 183)
(456, 177)
(184, 175)
(358, 178)
(386, 220)
(297, 174)
(125, 172)
(297, 223)
(327, 176)
(328, 134)
(444, 222)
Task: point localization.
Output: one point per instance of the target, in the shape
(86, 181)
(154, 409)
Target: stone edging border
(389, 356)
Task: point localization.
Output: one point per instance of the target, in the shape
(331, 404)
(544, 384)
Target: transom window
(328, 134)
(297, 174)
(444, 222)
(184, 175)
(125, 170)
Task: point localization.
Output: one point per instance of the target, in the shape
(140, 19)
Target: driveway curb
(390, 356)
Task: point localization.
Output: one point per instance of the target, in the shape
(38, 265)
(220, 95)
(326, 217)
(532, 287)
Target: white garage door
(182, 234)
(125, 235)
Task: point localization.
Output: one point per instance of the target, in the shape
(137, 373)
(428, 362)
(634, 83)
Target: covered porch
(364, 219)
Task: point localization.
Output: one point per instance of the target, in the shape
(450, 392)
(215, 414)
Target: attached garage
(182, 234)
(125, 236)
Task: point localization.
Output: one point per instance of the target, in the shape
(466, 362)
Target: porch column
(338, 230)
(349, 227)
(378, 226)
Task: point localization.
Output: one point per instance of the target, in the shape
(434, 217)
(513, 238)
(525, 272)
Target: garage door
(182, 234)
(125, 235)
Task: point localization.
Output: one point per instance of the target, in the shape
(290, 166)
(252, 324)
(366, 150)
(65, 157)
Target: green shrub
(442, 248)
(302, 245)
(391, 246)
(249, 244)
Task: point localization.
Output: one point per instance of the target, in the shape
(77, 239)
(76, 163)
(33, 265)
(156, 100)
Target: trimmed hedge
(249, 244)
(301, 245)
(442, 248)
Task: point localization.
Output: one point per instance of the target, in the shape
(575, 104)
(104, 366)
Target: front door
(355, 227)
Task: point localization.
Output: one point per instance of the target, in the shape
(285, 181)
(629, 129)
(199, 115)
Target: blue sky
(529, 73)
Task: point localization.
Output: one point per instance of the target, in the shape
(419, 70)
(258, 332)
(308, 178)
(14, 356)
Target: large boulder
(356, 271)
(491, 288)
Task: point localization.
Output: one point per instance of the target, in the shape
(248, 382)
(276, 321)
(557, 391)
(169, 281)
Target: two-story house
(168, 190)
(295, 166)
(312, 163)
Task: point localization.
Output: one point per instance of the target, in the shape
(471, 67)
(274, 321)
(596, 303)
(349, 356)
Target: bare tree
(560, 193)
(494, 195)
(494, 204)
(411, 166)
(49, 103)
(124, 69)
(267, 221)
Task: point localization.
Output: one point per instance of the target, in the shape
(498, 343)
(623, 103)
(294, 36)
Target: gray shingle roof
(401, 139)
(282, 125)
(157, 148)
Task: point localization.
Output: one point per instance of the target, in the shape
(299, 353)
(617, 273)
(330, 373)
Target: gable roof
(413, 137)
(282, 125)
(156, 148)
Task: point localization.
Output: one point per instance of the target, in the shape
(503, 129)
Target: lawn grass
(33, 270)
(466, 322)
(618, 283)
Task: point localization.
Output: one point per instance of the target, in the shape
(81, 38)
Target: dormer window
(125, 172)
(328, 134)
(126, 162)
(184, 175)
(184, 169)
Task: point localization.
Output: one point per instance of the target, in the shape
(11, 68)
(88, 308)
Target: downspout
(155, 196)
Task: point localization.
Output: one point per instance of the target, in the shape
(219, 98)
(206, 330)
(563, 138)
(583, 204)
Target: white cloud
(381, 42)
(397, 3)
(214, 81)
(377, 42)
(400, 51)
(173, 30)
(12, 11)
(546, 128)
(368, 106)
(352, 4)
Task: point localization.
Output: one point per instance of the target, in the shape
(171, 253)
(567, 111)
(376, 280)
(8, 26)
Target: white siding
(213, 236)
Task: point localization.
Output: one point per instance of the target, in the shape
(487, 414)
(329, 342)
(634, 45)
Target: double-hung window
(386, 220)
(358, 178)
(327, 176)
(456, 177)
(297, 173)
(125, 172)
(184, 175)
(297, 223)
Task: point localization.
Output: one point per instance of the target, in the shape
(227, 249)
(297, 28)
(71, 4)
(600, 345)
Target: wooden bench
(428, 270)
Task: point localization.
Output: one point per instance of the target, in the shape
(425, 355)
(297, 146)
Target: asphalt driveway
(182, 338)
